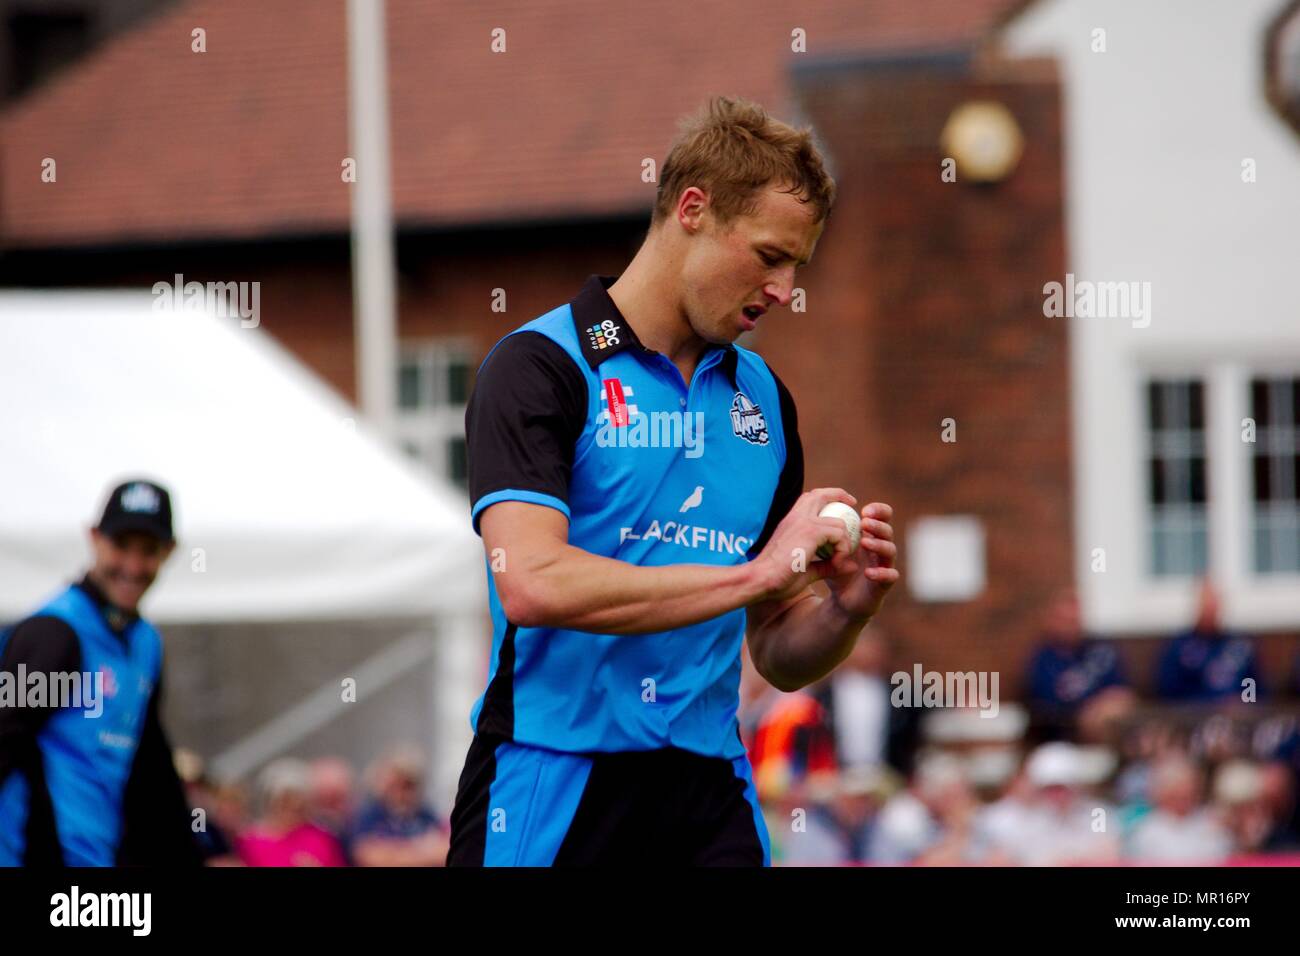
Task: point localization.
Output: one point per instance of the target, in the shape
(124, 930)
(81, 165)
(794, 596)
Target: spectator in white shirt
(1065, 825)
(869, 732)
(931, 821)
(1179, 829)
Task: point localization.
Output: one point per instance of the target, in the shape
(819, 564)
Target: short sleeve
(790, 485)
(523, 421)
(44, 644)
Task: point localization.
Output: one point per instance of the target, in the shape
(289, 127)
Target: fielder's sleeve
(156, 821)
(523, 421)
(45, 645)
(790, 485)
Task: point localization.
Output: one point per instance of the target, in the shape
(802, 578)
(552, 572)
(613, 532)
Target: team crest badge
(747, 420)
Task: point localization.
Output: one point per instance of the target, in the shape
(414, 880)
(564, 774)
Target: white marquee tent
(286, 509)
(298, 514)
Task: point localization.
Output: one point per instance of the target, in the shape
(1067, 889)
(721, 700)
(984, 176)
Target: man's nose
(137, 565)
(781, 289)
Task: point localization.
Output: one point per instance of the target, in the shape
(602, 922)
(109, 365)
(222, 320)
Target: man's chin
(128, 601)
(724, 338)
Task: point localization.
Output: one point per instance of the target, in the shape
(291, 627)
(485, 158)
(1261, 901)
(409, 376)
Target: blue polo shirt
(86, 756)
(1063, 675)
(1205, 666)
(572, 412)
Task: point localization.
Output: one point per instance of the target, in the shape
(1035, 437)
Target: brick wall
(925, 304)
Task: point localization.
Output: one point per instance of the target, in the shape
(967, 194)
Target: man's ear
(692, 205)
(168, 549)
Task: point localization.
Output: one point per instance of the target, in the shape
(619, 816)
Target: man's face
(126, 565)
(1177, 794)
(402, 791)
(1058, 797)
(1207, 612)
(331, 792)
(749, 263)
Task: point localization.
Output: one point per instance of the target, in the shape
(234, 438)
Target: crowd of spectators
(318, 814)
(1200, 767)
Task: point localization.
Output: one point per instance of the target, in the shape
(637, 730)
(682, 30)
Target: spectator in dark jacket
(1075, 682)
(1207, 664)
(398, 828)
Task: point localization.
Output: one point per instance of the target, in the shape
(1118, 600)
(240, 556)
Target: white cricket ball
(838, 509)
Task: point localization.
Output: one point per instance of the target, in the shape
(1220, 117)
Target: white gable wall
(1157, 129)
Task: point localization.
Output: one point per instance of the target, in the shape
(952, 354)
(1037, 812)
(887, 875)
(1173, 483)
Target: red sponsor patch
(617, 405)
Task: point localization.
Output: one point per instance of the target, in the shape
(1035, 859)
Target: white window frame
(1148, 558)
(430, 428)
(1268, 378)
(1136, 600)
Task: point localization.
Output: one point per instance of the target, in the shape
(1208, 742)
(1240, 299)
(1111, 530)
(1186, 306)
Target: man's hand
(795, 637)
(788, 564)
(859, 581)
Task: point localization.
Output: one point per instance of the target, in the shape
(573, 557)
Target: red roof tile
(155, 142)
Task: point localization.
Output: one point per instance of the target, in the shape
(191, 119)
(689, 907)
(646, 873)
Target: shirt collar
(117, 619)
(593, 308)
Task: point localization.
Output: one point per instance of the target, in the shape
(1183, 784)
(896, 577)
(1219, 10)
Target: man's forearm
(805, 642)
(580, 591)
(394, 851)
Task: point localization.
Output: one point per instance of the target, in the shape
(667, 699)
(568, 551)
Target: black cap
(138, 506)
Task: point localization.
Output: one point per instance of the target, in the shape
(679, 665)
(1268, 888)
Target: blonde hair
(731, 149)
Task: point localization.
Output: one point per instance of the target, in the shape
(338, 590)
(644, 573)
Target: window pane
(434, 380)
(457, 461)
(1177, 469)
(408, 386)
(1276, 464)
(1199, 558)
(1195, 406)
(1259, 402)
(1263, 487)
(458, 381)
(1198, 480)
(1159, 562)
(1179, 551)
(1277, 546)
(1155, 414)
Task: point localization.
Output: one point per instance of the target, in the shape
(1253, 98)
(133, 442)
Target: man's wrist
(756, 581)
(840, 621)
